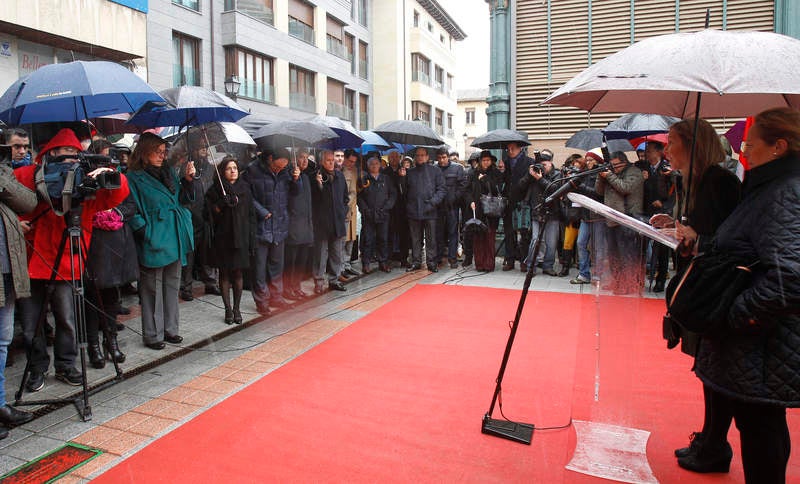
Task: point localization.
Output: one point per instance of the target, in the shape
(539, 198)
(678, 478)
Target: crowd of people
(177, 216)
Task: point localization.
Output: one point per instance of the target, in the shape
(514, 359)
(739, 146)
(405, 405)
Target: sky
(472, 53)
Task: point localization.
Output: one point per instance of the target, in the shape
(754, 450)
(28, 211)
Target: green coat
(163, 228)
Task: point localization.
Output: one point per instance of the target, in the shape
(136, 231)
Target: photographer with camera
(58, 160)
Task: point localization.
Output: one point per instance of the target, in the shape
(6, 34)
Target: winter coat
(658, 186)
(529, 189)
(376, 200)
(456, 183)
(195, 201)
(758, 358)
(270, 196)
(112, 259)
(624, 192)
(301, 227)
(515, 173)
(162, 227)
(232, 227)
(330, 203)
(351, 221)
(490, 184)
(15, 199)
(48, 228)
(424, 186)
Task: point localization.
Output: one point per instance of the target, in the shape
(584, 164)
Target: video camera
(71, 178)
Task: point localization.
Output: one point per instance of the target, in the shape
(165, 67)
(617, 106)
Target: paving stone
(32, 447)
(9, 463)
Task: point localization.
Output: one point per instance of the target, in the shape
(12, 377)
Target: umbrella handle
(214, 159)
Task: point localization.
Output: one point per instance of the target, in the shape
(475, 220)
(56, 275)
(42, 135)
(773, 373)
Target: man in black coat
(375, 201)
(424, 186)
(517, 163)
(447, 223)
(659, 197)
(399, 236)
(330, 197)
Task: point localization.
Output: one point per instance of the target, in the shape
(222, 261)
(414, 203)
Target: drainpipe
(213, 45)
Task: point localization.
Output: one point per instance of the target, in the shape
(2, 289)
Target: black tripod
(71, 240)
(507, 429)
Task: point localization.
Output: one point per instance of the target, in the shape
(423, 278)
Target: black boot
(695, 441)
(566, 262)
(467, 261)
(95, 355)
(708, 458)
(113, 352)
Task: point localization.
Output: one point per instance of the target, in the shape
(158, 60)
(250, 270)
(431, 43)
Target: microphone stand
(507, 429)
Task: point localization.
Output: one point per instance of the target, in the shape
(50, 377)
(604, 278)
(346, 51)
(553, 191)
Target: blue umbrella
(348, 136)
(188, 106)
(373, 142)
(74, 91)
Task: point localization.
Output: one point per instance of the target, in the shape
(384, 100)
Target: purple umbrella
(735, 135)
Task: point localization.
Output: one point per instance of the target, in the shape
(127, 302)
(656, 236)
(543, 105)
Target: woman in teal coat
(164, 235)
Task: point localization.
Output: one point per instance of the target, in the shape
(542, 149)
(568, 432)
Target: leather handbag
(700, 298)
(493, 205)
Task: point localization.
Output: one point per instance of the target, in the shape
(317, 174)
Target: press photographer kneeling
(86, 189)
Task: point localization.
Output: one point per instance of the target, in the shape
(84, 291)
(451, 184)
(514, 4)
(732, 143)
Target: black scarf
(163, 174)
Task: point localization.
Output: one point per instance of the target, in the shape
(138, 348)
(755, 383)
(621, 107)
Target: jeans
(65, 347)
(591, 239)
(267, 272)
(550, 241)
(447, 234)
(6, 331)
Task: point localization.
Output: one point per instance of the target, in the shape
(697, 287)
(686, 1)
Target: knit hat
(596, 154)
(65, 137)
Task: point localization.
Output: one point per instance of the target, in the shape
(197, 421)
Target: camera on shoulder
(68, 176)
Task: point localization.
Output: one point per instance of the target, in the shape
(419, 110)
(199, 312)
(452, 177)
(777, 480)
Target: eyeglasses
(161, 152)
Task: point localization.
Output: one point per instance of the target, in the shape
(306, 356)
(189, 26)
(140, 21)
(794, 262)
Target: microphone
(604, 150)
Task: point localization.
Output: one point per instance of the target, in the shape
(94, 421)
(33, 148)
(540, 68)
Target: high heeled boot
(95, 355)
(113, 353)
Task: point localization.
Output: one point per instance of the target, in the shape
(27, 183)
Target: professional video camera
(68, 176)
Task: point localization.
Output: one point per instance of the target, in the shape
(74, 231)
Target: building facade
(472, 120)
(415, 63)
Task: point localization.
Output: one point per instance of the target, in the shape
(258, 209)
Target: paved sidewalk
(216, 360)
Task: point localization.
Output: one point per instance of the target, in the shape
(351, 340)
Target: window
(363, 64)
(438, 80)
(450, 133)
(350, 101)
(416, 18)
(301, 21)
(450, 86)
(186, 60)
(335, 38)
(421, 112)
(470, 116)
(254, 72)
(260, 10)
(441, 38)
(439, 121)
(193, 4)
(349, 46)
(430, 27)
(336, 100)
(301, 89)
(420, 69)
(362, 12)
(363, 111)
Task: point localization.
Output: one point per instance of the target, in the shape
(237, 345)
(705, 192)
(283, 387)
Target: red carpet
(399, 396)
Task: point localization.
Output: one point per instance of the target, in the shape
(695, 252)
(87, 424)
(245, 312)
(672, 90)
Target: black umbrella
(498, 139)
(589, 139)
(288, 134)
(636, 125)
(404, 132)
(474, 225)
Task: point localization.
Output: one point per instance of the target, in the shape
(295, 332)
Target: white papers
(643, 228)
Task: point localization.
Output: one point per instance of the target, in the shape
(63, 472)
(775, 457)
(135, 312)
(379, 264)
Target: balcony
(340, 111)
(252, 8)
(185, 76)
(438, 86)
(439, 129)
(302, 101)
(363, 66)
(337, 48)
(450, 133)
(259, 91)
(363, 121)
(422, 77)
(301, 31)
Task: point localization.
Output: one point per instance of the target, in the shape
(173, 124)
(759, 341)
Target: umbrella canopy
(589, 139)
(188, 106)
(735, 135)
(347, 135)
(217, 133)
(658, 137)
(405, 132)
(74, 91)
(497, 139)
(741, 73)
(373, 142)
(286, 134)
(636, 125)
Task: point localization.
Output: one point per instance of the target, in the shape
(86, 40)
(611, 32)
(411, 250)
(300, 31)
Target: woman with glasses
(164, 235)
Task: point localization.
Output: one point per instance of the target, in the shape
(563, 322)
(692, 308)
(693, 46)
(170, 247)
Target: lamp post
(465, 145)
(232, 86)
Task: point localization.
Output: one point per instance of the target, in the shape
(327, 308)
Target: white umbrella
(739, 73)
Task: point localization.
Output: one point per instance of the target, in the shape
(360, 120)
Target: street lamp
(465, 145)
(232, 86)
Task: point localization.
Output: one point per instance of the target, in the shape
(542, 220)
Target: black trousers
(764, 436)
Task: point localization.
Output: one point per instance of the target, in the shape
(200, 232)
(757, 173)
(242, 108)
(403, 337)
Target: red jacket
(48, 228)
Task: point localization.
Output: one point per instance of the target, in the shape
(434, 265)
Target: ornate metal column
(498, 112)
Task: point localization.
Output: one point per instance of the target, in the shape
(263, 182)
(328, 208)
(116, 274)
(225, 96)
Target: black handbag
(493, 206)
(699, 299)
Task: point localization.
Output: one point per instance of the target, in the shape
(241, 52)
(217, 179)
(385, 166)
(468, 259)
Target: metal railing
(252, 8)
(193, 4)
(363, 121)
(337, 48)
(256, 90)
(420, 76)
(185, 76)
(302, 101)
(340, 111)
(301, 31)
(363, 68)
